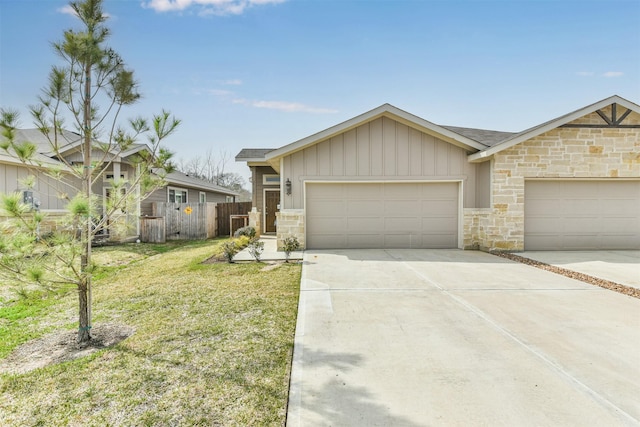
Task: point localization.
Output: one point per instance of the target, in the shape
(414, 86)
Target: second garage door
(581, 215)
(382, 215)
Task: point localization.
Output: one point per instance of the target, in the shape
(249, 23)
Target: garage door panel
(440, 190)
(358, 207)
(330, 241)
(363, 224)
(438, 206)
(326, 207)
(335, 191)
(619, 206)
(438, 241)
(621, 226)
(402, 240)
(440, 225)
(369, 191)
(405, 224)
(332, 225)
(364, 241)
(574, 215)
(401, 207)
(379, 215)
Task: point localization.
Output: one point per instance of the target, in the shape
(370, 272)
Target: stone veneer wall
(254, 220)
(560, 153)
(290, 223)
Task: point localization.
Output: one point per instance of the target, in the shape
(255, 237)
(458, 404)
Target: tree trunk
(84, 291)
(84, 328)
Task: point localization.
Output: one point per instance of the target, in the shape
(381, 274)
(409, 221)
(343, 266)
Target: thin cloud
(207, 7)
(585, 73)
(68, 10)
(613, 74)
(231, 82)
(219, 92)
(288, 107)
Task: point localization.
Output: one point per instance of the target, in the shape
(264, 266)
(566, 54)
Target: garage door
(582, 215)
(382, 215)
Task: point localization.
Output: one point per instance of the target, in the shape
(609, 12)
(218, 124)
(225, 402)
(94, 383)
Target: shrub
(256, 247)
(229, 250)
(290, 244)
(248, 231)
(242, 242)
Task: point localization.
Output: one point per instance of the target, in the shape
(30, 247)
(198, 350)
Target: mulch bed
(607, 284)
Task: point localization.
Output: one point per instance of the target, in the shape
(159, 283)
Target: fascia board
(545, 127)
(384, 110)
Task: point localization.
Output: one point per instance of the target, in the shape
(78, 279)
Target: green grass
(212, 345)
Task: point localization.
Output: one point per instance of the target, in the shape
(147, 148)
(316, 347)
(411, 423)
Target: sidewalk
(270, 252)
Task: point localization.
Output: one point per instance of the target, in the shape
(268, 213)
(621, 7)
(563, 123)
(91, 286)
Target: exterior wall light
(287, 187)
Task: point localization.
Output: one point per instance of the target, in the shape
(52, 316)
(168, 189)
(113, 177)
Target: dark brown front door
(271, 202)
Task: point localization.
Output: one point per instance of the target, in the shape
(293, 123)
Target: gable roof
(552, 124)
(253, 154)
(179, 178)
(385, 110)
(483, 136)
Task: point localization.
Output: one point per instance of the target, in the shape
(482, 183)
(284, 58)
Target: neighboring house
(389, 179)
(182, 188)
(50, 195)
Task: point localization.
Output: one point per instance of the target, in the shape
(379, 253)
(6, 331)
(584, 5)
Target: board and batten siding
(46, 189)
(382, 149)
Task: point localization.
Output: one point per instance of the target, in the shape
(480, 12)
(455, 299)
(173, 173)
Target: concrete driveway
(449, 337)
(617, 266)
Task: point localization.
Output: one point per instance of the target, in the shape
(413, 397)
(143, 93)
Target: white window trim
(123, 175)
(202, 199)
(177, 189)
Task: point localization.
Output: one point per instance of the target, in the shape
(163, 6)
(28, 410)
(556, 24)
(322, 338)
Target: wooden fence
(191, 221)
(224, 212)
(186, 221)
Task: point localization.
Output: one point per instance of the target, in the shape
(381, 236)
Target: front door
(271, 202)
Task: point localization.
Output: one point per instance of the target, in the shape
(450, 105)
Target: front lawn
(212, 344)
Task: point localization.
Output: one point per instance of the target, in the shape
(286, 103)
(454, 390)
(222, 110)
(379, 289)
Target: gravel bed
(607, 284)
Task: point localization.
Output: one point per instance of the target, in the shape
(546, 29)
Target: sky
(265, 73)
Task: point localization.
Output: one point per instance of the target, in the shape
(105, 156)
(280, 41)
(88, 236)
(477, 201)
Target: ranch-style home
(390, 179)
(48, 194)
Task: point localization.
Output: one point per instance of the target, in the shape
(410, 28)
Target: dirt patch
(62, 347)
(607, 284)
(215, 260)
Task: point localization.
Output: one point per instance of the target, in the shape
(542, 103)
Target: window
(271, 179)
(203, 197)
(230, 198)
(108, 176)
(177, 195)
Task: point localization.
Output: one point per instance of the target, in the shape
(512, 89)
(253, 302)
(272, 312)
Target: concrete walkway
(270, 253)
(617, 266)
(449, 337)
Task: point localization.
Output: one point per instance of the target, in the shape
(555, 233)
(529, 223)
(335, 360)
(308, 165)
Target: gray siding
(193, 196)
(46, 189)
(483, 185)
(382, 149)
(257, 187)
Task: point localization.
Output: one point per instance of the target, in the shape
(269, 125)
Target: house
(51, 194)
(390, 179)
(182, 188)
